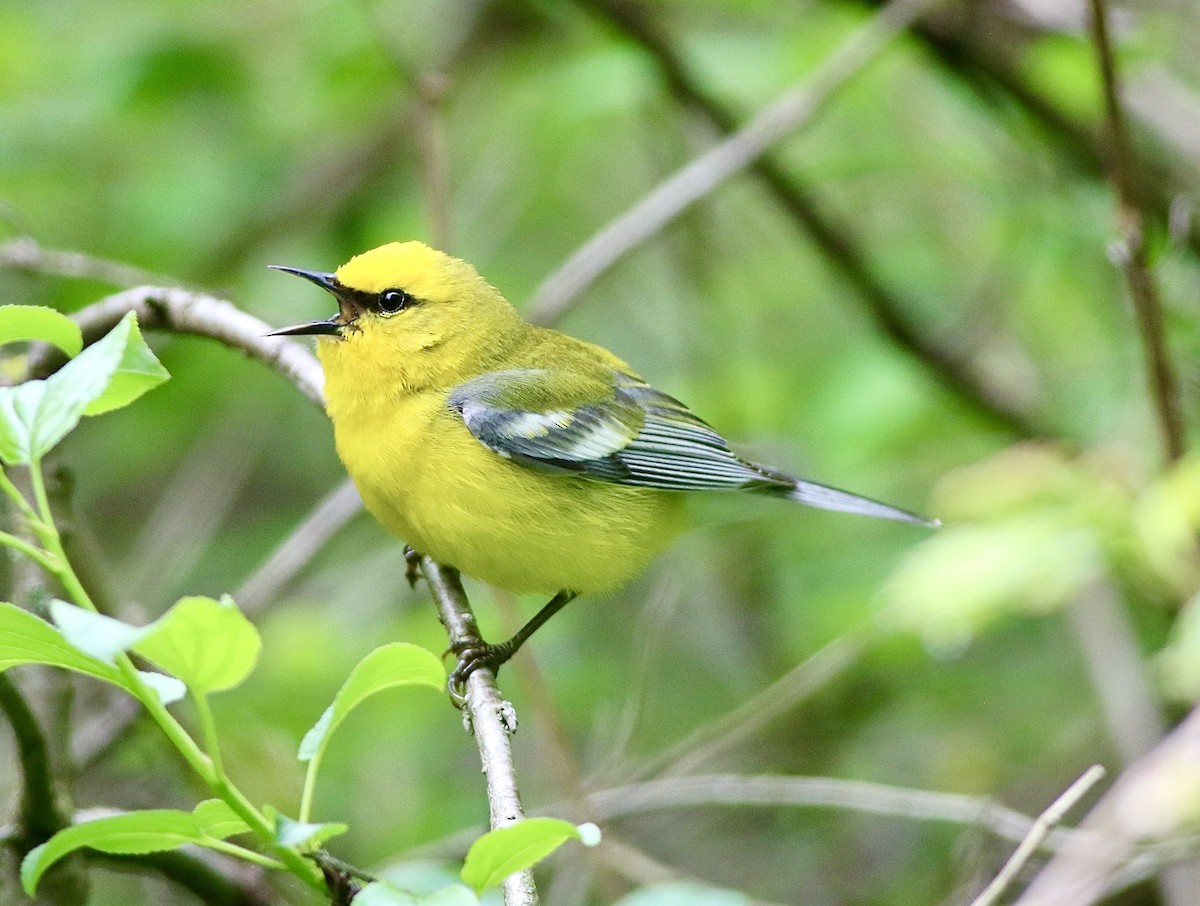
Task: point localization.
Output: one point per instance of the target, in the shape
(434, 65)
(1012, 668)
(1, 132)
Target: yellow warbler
(519, 455)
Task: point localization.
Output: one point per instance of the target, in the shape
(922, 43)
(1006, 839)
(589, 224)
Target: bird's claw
(412, 565)
(472, 655)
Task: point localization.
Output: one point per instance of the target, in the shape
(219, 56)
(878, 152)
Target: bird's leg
(412, 565)
(473, 654)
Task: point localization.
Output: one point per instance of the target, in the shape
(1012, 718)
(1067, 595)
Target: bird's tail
(818, 495)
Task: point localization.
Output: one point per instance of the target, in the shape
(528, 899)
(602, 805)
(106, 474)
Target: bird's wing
(620, 430)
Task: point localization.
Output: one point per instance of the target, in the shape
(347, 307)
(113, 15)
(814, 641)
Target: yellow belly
(429, 481)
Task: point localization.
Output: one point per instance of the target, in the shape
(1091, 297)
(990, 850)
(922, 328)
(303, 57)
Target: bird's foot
(412, 565)
(472, 655)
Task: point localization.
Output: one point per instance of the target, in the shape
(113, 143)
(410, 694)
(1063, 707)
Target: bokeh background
(916, 296)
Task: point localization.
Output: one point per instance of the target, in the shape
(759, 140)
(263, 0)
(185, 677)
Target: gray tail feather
(818, 495)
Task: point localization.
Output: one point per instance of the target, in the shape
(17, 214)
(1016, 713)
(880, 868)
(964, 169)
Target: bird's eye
(394, 300)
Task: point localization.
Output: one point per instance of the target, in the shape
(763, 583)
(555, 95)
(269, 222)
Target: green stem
(42, 558)
(310, 786)
(209, 727)
(241, 852)
(206, 766)
(10, 490)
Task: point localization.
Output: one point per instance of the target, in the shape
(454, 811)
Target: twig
(828, 792)
(491, 719)
(40, 815)
(25, 254)
(1045, 822)
(326, 520)
(1146, 804)
(709, 170)
(1130, 252)
(949, 366)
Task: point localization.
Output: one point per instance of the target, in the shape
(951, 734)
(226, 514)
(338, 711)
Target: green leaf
(167, 688)
(216, 819)
(302, 834)
(208, 644)
(36, 415)
(93, 633)
(381, 893)
(499, 853)
(397, 664)
(37, 323)
(138, 371)
(25, 639)
(128, 834)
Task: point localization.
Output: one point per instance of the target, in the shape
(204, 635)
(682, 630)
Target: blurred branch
(214, 883)
(25, 254)
(951, 368)
(1148, 802)
(1130, 251)
(325, 520)
(828, 792)
(707, 742)
(1045, 823)
(698, 178)
(489, 718)
(40, 816)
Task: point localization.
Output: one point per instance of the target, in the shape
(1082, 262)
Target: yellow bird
(519, 455)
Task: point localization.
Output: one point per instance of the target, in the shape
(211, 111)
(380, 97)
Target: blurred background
(917, 295)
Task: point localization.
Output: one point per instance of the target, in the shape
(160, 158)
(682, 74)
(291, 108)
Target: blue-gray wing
(621, 430)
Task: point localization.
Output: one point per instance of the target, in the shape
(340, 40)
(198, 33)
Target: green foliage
(132, 833)
(380, 893)
(34, 323)
(109, 374)
(501, 852)
(24, 639)
(208, 644)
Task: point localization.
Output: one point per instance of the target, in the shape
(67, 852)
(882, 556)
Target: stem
(207, 766)
(248, 855)
(310, 786)
(43, 559)
(209, 728)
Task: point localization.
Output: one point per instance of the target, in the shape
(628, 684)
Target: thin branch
(821, 792)
(198, 314)
(1045, 823)
(704, 744)
(325, 520)
(950, 367)
(1130, 252)
(225, 883)
(490, 718)
(1146, 804)
(25, 254)
(699, 177)
(40, 815)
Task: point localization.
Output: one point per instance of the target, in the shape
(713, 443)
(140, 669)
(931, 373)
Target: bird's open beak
(330, 327)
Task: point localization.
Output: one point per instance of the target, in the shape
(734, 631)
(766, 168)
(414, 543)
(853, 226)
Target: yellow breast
(433, 484)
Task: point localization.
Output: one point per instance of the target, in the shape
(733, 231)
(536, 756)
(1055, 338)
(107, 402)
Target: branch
(490, 719)
(25, 254)
(40, 815)
(325, 520)
(950, 367)
(1148, 802)
(1045, 823)
(1130, 251)
(696, 179)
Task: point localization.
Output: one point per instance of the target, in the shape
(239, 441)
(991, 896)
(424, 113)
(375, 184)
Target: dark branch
(1131, 255)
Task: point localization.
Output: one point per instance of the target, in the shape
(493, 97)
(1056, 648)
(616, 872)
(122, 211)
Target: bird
(519, 455)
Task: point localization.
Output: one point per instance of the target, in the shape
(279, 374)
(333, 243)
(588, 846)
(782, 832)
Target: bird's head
(406, 312)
